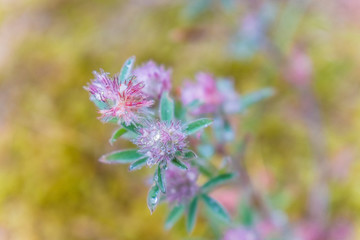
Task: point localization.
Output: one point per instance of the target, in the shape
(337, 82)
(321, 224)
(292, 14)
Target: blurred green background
(51, 184)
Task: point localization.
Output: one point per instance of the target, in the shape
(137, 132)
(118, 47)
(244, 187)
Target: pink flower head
(157, 79)
(240, 233)
(181, 184)
(160, 141)
(205, 91)
(123, 101)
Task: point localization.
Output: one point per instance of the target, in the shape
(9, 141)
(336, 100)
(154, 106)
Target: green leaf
(194, 104)
(138, 164)
(189, 155)
(215, 208)
(131, 127)
(166, 107)
(179, 164)
(179, 111)
(160, 179)
(153, 198)
(122, 156)
(197, 125)
(191, 216)
(246, 214)
(174, 216)
(254, 97)
(218, 180)
(204, 168)
(117, 133)
(126, 69)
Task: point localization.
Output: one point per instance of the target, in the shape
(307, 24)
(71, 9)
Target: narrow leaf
(174, 216)
(179, 164)
(131, 127)
(189, 155)
(138, 164)
(126, 69)
(160, 179)
(204, 168)
(99, 104)
(254, 97)
(216, 208)
(194, 104)
(191, 217)
(153, 198)
(218, 180)
(166, 107)
(179, 111)
(118, 133)
(122, 156)
(246, 214)
(197, 125)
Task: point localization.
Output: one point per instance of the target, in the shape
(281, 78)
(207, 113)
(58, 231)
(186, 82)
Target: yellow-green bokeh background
(51, 184)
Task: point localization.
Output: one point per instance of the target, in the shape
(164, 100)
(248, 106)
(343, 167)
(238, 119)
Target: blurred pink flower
(205, 91)
(341, 164)
(240, 233)
(341, 229)
(312, 230)
(160, 141)
(299, 69)
(124, 101)
(266, 229)
(156, 78)
(228, 197)
(349, 10)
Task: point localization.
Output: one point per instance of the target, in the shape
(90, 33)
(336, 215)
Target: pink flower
(123, 101)
(299, 70)
(181, 184)
(204, 90)
(160, 141)
(157, 79)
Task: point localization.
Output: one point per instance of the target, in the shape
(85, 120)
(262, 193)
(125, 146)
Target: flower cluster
(160, 141)
(124, 101)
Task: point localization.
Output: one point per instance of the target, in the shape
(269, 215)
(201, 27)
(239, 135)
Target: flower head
(205, 91)
(181, 184)
(157, 79)
(160, 141)
(124, 101)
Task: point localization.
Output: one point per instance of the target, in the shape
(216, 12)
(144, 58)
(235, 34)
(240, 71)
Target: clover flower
(157, 79)
(161, 141)
(115, 99)
(205, 91)
(181, 184)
